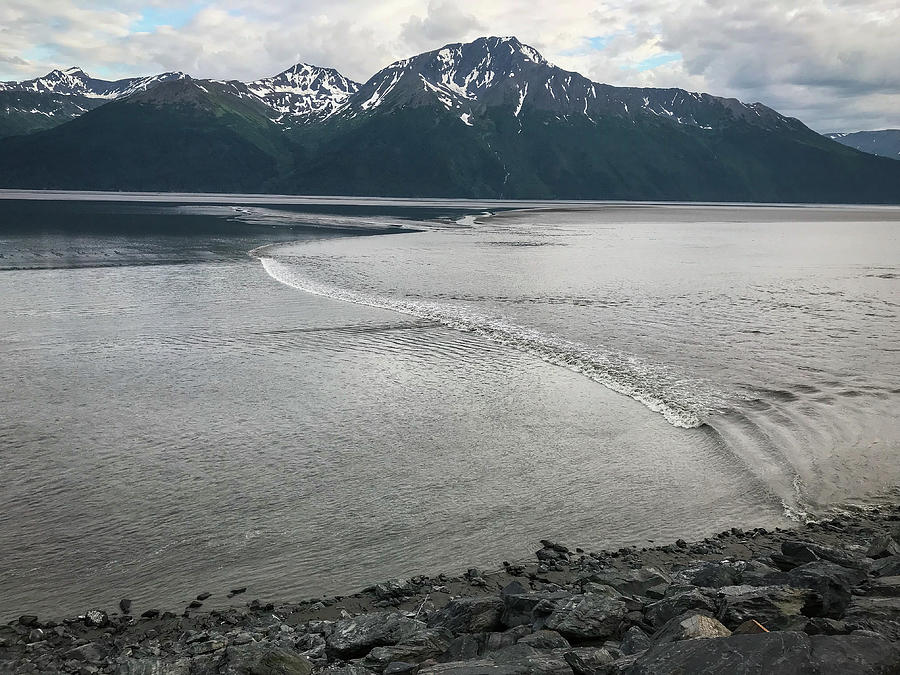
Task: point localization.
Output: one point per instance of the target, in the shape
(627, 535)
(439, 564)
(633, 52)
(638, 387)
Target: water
(337, 410)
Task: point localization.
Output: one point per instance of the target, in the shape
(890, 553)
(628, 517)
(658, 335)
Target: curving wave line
(619, 372)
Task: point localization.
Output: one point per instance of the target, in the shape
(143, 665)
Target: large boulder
(690, 627)
(887, 567)
(677, 601)
(588, 660)
(357, 635)
(544, 639)
(469, 615)
(883, 547)
(525, 608)
(778, 653)
(775, 607)
(879, 614)
(258, 658)
(832, 584)
(795, 553)
(587, 616)
(631, 582)
(426, 644)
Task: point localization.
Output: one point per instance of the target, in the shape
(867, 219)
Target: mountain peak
(303, 92)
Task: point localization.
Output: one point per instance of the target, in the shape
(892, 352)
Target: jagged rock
(776, 653)
(690, 627)
(545, 639)
(392, 589)
(677, 602)
(469, 615)
(883, 546)
(153, 666)
(28, 620)
(887, 567)
(125, 606)
(878, 614)
(757, 573)
(423, 645)
(631, 582)
(831, 583)
(262, 659)
(150, 614)
(462, 648)
(514, 588)
(588, 660)
(716, 575)
(795, 553)
(635, 640)
(347, 669)
(587, 616)
(546, 543)
(357, 635)
(776, 607)
(885, 587)
(495, 641)
(820, 626)
(525, 608)
(90, 652)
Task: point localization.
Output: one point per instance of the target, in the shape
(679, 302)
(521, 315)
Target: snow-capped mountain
(303, 93)
(501, 71)
(75, 82)
(884, 142)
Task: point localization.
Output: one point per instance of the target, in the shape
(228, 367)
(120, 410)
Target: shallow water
(338, 411)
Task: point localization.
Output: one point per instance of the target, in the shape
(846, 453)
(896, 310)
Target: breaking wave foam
(619, 372)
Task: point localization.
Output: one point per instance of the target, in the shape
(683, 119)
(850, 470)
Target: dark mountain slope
(179, 135)
(884, 143)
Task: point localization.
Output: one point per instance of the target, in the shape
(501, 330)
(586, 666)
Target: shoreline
(827, 587)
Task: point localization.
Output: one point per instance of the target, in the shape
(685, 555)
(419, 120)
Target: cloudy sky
(835, 64)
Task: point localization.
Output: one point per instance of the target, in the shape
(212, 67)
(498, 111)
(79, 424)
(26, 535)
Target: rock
(545, 639)
(150, 614)
(794, 553)
(820, 626)
(262, 659)
(462, 648)
(887, 567)
(195, 604)
(423, 645)
(96, 618)
(750, 627)
(777, 653)
(588, 660)
(635, 640)
(347, 669)
(776, 607)
(473, 667)
(631, 582)
(553, 546)
(469, 615)
(357, 635)
(690, 627)
(677, 602)
(496, 641)
(28, 620)
(873, 613)
(125, 606)
(90, 652)
(883, 546)
(716, 575)
(203, 596)
(525, 608)
(681, 543)
(393, 589)
(832, 584)
(514, 588)
(885, 587)
(587, 616)
(153, 666)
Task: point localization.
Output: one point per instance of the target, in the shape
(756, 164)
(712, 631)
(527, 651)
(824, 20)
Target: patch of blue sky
(657, 60)
(153, 17)
(591, 44)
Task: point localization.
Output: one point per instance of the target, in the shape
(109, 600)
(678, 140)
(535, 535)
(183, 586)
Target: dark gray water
(340, 410)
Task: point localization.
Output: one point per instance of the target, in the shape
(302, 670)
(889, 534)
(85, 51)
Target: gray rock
(778, 653)
(635, 640)
(469, 615)
(28, 620)
(545, 639)
(885, 587)
(401, 667)
(262, 659)
(795, 553)
(716, 575)
(495, 641)
(347, 669)
(587, 616)
(631, 582)
(677, 602)
(588, 660)
(690, 627)
(883, 546)
(832, 584)
(153, 666)
(125, 606)
(423, 645)
(887, 567)
(525, 608)
(357, 635)
(775, 607)
(96, 618)
(874, 613)
(90, 653)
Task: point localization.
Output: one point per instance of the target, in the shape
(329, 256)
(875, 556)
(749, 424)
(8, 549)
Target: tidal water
(338, 408)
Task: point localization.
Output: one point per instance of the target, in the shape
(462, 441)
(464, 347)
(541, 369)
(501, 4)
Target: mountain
(489, 118)
(303, 93)
(62, 95)
(884, 143)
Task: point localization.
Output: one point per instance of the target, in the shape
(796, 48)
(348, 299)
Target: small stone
(150, 614)
(203, 596)
(96, 618)
(237, 591)
(125, 605)
(194, 604)
(28, 620)
(681, 543)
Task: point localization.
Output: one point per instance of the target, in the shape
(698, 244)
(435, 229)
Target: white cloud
(832, 63)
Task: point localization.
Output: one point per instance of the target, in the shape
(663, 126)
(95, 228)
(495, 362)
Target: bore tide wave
(681, 401)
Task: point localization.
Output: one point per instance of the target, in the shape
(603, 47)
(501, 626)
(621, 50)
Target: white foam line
(616, 372)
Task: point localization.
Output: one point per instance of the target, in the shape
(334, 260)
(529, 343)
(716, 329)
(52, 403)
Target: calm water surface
(177, 416)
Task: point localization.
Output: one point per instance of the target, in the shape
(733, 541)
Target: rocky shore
(823, 598)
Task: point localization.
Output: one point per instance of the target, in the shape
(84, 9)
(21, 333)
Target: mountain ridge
(487, 118)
